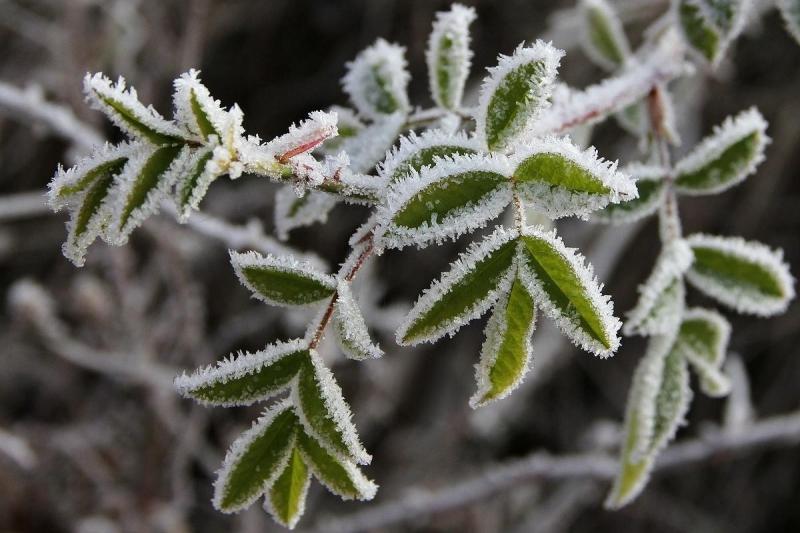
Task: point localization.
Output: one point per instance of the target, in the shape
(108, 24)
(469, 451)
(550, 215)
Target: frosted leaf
(596, 102)
(324, 413)
(726, 157)
(515, 93)
(506, 351)
(348, 125)
(351, 330)
(709, 26)
(304, 137)
(633, 119)
(703, 340)
(661, 298)
(245, 378)
(370, 144)
(473, 284)
(659, 399)
(376, 80)
(559, 179)
(142, 185)
(567, 291)
(746, 276)
(649, 184)
(286, 499)
(456, 196)
(603, 37)
(192, 187)
(293, 212)
(790, 11)
(230, 155)
(68, 185)
(449, 56)
(125, 110)
(417, 151)
(282, 280)
(339, 476)
(195, 110)
(352, 187)
(256, 459)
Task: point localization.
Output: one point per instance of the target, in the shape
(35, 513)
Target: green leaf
(293, 212)
(247, 378)
(475, 281)
(650, 186)
(514, 94)
(192, 187)
(744, 275)
(282, 280)
(726, 157)
(339, 476)
(561, 180)
(604, 40)
(376, 80)
(287, 496)
(81, 183)
(448, 55)
(201, 117)
(568, 292)
(350, 327)
(455, 196)
(426, 157)
(506, 352)
(703, 340)
(790, 11)
(699, 32)
(324, 413)
(255, 459)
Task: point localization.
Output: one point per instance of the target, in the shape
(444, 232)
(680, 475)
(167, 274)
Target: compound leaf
(506, 352)
(514, 93)
(726, 157)
(282, 280)
(747, 276)
(568, 292)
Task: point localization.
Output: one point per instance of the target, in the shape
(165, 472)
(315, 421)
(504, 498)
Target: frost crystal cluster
(432, 175)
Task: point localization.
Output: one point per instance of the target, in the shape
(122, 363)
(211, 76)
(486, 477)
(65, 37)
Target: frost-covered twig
(772, 432)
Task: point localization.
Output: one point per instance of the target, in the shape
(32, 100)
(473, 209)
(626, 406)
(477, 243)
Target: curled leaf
(449, 55)
(703, 340)
(282, 280)
(747, 276)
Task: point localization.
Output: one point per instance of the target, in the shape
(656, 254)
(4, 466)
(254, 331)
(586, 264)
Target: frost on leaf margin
(726, 157)
(449, 55)
(603, 38)
(559, 179)
(703, 340)
(650, 188)
(515, 93)
(376, 80)
(747, 276)
(350, 327)
(417, 151)
(568, 292)
(455, 196)
(286, 498)
(292, 211)
(473, 284)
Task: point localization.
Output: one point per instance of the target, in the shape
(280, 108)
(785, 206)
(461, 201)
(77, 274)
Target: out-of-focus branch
(775, 431)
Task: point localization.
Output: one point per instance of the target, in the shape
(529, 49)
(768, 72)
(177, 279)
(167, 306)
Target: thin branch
(775, 431)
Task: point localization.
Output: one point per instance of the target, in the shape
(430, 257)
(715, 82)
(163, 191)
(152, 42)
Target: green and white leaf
(340, 476)
(603, 37)
(369, 146)
(305, 136)
(475, 281)
(559, 179)
(449, 55)
(567, 291)
(657, 405)
(125, 110)
(726, 157)
(192, 186)
(515, 93)
(292, 211)
(376, 80)
(350, 327)
(195, 110)
(286, 498)
(417, 151)
(746, 276)
(282, 280)
(790, 11)
(662, 297)
(703, 340)
(247, 377)
(256, 459)
(349, 126)
(323, 412)
(141, 187)
(709, 26)
(456, 196)
(506, 352)
(650, 186)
